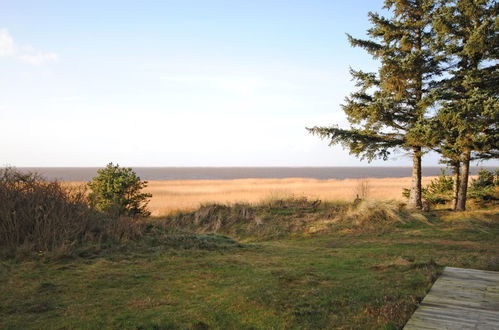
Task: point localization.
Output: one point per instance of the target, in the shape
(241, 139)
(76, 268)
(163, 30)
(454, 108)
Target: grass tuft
(373, 215)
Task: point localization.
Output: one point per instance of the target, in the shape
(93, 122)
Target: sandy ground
(172, 196)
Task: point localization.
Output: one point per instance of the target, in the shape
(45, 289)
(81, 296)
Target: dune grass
(183, 195)
(347, 276)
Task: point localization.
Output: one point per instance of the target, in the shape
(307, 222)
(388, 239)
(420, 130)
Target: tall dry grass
(183, 195)
(40, 215)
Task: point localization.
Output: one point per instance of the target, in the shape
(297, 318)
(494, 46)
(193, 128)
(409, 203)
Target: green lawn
(348, 279)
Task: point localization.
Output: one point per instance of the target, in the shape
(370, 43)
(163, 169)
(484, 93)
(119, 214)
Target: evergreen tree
(469, 108)
(117, 191)
(389, 110)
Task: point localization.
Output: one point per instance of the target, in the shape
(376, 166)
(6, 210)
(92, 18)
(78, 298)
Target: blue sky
(177, 83)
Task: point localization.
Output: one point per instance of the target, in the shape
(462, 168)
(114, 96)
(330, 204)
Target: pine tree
(389, 110)
(117, 191)
(469, 108)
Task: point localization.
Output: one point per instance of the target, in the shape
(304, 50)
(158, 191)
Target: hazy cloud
(8, 48)
(39, 58)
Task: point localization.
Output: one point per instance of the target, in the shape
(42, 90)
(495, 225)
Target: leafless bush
(362, 189)
(40, 215)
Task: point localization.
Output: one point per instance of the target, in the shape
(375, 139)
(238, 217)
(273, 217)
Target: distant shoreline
(233, 173)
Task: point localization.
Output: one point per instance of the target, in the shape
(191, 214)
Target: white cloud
(39, 58)
(8, 48)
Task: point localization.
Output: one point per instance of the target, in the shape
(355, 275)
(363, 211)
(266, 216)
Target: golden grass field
(179, 195)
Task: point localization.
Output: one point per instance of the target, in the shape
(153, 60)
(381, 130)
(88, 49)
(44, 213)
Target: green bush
(117, 191)
(485, 188)
(438, 191)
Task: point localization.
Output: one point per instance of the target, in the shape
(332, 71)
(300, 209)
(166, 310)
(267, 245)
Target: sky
(178, 83)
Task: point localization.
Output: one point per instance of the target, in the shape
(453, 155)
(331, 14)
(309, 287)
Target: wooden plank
(460, 299)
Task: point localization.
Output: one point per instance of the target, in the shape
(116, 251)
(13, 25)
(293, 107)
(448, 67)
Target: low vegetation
(281, 263)
(170, 197)
(483, 191)
(273, 218)
(293, 217)
(38, 216)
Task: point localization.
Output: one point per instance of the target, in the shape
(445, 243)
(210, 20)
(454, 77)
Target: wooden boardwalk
(460, 299)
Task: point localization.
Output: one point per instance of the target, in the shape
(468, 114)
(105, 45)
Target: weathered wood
(460, 299)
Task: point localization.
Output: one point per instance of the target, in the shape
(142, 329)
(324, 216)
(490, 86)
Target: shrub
(362, 189)
(38, 213)
(117, 192)
(485, 188)
(438, 191)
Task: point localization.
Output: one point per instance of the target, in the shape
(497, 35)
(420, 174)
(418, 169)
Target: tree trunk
(415, 195)
(463, 184)
(455, 187)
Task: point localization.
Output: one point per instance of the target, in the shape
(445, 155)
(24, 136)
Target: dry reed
(186, 195)
(362, 189)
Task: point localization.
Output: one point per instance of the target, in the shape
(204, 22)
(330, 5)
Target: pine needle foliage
(485, 188)
(466, 124)
(390, 108)
(117, 192)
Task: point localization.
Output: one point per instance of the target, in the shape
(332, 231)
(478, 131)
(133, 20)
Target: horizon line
(257, 166)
